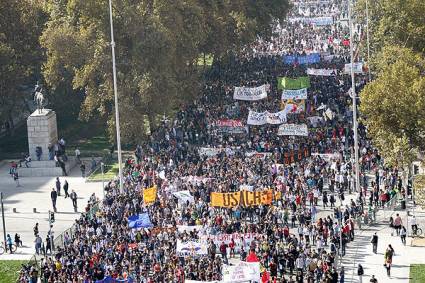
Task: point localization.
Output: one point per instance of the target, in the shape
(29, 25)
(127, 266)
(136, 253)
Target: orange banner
(242, 198)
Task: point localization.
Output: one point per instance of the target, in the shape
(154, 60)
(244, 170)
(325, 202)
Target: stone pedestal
(42, 131)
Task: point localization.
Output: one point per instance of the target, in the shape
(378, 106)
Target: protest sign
(229, 126)
(141, 220)
(209, 151)
(320, 21)
(191, 248)
(257, 118)
(250, 93)
(358, 68)
(276, 118)
(293, 130)
(321, 72)
(301, 59)
(288, 83)
(242, 198)
(262, 118)
(184, 196)
(240, 239)
(242, 272)
(149, 195)
(261, 155)
(292, 106)
(294, 93)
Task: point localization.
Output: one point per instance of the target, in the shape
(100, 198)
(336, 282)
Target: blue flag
(141, 220)
(109, 279)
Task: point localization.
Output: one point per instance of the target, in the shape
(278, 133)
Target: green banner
(288, 83)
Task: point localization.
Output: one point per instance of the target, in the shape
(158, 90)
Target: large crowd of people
(315, 206)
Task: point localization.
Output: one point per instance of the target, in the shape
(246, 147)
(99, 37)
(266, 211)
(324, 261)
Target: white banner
(240, 239)
(191, 248)
(358, 68)
(184, 196)
(209, 151)
(262, 118)
(294, 94)
(321, 72)
(256, 154)
(321, 21)
(276, 118)
(242, 272)
(318, 21)
(250, 93)
(292, 130)
(257, 118)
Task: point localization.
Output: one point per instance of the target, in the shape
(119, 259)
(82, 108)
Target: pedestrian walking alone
(54, 197)
(58, 186)
(375, 243)
(65, 188)
(74, 200)
(403, 233)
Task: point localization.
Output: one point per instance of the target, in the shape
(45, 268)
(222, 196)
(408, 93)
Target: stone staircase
(45, 168)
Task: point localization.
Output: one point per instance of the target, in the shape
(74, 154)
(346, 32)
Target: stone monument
(42, 133)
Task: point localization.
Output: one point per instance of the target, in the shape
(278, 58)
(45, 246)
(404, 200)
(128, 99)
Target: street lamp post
(367, 39)
(353, 95)
(117, 115)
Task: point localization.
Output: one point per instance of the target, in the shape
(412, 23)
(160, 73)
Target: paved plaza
(34, 192)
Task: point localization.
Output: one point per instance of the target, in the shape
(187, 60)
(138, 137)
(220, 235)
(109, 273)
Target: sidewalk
(35, 193)
(360, 251)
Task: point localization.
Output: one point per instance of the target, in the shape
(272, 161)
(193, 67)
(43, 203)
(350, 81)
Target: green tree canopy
(395, 22)
(393, 104)
(21, 24)
(158, 43)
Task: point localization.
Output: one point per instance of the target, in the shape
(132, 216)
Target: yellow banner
(149, 195)
(241, 198)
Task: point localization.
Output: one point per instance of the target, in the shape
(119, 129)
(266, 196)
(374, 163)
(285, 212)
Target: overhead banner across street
(250, 93)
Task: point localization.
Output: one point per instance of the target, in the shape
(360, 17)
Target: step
(48, 171)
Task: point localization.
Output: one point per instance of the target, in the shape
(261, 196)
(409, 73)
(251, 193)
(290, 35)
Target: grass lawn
(110, 172)
(9, 270)
(417, 273)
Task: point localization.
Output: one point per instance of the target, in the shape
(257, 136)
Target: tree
(393, 104)
(393, 107)
(21, 25)
(395, 22)
(158, 43)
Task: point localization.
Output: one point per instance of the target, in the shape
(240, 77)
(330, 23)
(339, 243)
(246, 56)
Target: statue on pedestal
(39, 99)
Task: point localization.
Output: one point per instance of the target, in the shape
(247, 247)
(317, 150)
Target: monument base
(45, 168)
(42, 132)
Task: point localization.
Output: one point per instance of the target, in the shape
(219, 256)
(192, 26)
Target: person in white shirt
(77, 155)
(413, 224)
